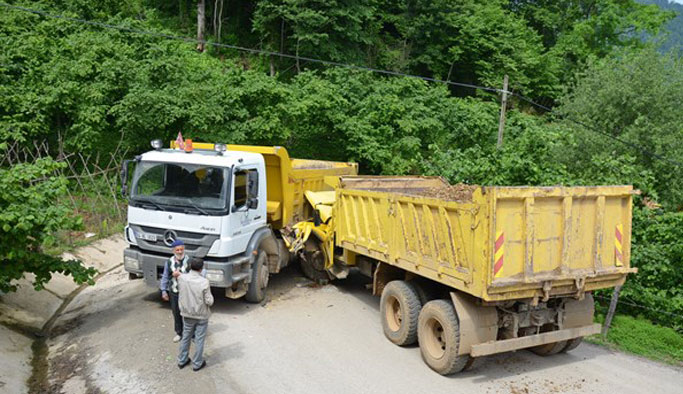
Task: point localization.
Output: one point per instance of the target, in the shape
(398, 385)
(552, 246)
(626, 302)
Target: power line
(598, 131)
(641, 306)
(336, 64)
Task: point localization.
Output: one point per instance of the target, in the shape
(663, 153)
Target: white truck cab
(214, 201)
(234, 206)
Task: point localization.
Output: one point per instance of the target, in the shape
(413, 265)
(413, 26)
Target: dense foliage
(28, 219)
(85, 88)
(657, 253)
(672, 35)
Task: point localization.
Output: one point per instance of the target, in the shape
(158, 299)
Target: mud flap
(578, 313)
(478, 324)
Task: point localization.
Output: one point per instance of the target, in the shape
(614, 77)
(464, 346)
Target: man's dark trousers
(177, 319)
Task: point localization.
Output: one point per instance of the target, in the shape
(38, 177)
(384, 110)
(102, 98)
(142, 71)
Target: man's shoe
(183, 365)
(200, 367)
(177, 338)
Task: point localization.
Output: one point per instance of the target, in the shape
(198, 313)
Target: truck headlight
(215, 276)
(130, 235)
(131, 263)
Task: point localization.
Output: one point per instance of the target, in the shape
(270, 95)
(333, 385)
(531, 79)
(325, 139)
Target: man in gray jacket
(195, 300)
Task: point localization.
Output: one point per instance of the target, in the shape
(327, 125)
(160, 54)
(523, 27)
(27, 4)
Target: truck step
(240, 277)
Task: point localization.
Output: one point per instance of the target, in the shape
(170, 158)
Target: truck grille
(196, 244)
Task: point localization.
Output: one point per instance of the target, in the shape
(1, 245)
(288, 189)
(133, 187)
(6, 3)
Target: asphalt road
(115, 337)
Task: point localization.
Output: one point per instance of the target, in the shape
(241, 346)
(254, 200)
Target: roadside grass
(639, 336)
(101, 217)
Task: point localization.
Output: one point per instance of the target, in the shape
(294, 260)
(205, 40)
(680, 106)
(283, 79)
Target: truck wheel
(473, 363)
(549, 349)
(424, 289)
(572, 344)
(313, 265)
(259, 279)
(438, 332)
(399, 309)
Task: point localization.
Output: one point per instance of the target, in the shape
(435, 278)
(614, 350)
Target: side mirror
(252, 203)
(124, 178)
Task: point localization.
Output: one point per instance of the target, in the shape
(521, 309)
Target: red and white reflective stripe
(498, 254)
(618, 249)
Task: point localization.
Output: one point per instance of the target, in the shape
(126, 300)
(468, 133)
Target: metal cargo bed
(496, 243)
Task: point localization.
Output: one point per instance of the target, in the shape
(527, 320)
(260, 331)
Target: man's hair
(196, 264)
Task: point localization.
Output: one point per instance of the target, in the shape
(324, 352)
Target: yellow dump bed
(287, 180)
(496, 243)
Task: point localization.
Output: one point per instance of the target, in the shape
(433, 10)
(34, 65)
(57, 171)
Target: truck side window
(253, 183)
(240, 188)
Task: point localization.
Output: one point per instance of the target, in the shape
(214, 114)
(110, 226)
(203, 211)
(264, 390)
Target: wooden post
(610, 312)
(501, 123)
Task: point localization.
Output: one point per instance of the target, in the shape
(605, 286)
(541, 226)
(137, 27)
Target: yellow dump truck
(470, 271)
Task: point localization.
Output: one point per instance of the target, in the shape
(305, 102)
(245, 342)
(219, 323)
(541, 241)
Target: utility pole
(610, 312)
(501, 123)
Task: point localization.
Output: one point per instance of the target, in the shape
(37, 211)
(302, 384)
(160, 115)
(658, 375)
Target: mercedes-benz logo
(169, 237)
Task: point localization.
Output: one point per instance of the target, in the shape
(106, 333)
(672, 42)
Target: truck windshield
(192, 187)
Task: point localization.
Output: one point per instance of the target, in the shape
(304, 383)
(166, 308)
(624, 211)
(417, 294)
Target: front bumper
(223, 273)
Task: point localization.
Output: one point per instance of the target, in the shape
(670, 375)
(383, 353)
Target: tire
(424, 289)
(572, 344)
(473, 363)
(313, 266)
(256, 292)
(549, 349)
(438, 332)
(399, 310)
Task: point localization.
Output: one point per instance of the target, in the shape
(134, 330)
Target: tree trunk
(215, 16)
(220, 21)
(298, 67)
(282, 36)
(201, 27)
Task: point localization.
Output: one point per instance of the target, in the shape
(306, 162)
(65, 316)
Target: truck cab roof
(203, 157)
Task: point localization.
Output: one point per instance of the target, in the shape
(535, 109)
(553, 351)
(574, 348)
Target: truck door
(244, 216)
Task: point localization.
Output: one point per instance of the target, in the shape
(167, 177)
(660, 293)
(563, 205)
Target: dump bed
(496, 243)
(287, 180)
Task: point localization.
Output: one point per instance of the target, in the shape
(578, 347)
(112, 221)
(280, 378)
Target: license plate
(147, 237)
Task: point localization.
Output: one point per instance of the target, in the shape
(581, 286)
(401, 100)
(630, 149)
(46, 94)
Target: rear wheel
(256, 291)
(438, 332)
(424, 289)
(473, 363)
(399, 310)
(572, 344)
(549, 349)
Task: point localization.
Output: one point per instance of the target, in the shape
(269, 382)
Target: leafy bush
(657, 252)
(29, 217)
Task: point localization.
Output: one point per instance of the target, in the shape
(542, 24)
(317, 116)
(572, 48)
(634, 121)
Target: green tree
(29, 217)
(574, 32)
(337, 30)
(476, 42)
(635, 97)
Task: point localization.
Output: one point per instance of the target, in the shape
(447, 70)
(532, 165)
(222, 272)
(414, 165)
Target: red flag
(179, 142)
